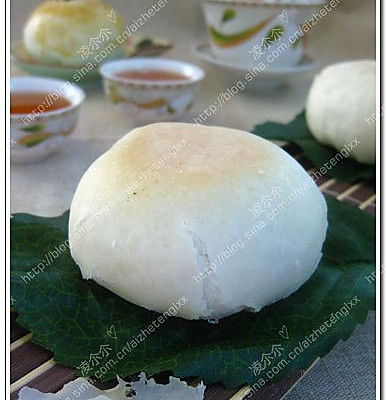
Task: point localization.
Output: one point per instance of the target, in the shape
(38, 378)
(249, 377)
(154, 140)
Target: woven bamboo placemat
(33, 366)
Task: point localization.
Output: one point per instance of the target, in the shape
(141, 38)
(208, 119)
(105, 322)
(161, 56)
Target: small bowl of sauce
(25, 102)
(151, 75)
(43, 112)
(152, 89)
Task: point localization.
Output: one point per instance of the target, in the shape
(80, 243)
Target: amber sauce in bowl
(153, 75)
(27, 102)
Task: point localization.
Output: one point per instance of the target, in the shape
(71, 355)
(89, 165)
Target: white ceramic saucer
(263, 80)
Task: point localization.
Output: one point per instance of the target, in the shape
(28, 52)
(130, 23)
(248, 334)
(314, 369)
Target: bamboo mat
(33, 366)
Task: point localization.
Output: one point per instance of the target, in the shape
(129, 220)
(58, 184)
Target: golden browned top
(191, 148)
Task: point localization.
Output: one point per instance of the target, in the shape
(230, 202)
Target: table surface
(46, 188)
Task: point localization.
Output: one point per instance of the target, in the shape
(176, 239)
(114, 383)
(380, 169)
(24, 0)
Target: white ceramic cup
(151, 101)
(246, 32)
(37, 135)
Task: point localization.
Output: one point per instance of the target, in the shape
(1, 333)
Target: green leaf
(297, 132)
(171, 110)
(72, 317)
(145, 42)
(33, 128)
(33, 139)
(296, 42)
(229, 14)
(273, 35)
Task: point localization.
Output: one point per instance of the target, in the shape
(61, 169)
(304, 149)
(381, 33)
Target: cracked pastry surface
(170, 212)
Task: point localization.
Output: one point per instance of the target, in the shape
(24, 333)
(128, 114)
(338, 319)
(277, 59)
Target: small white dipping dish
(152, 100)
(40, 133)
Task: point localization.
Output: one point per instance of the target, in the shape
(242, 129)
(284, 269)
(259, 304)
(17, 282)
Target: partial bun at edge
(340, 109)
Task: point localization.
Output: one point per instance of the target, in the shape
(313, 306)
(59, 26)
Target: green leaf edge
(296, 132)
(294, 366)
